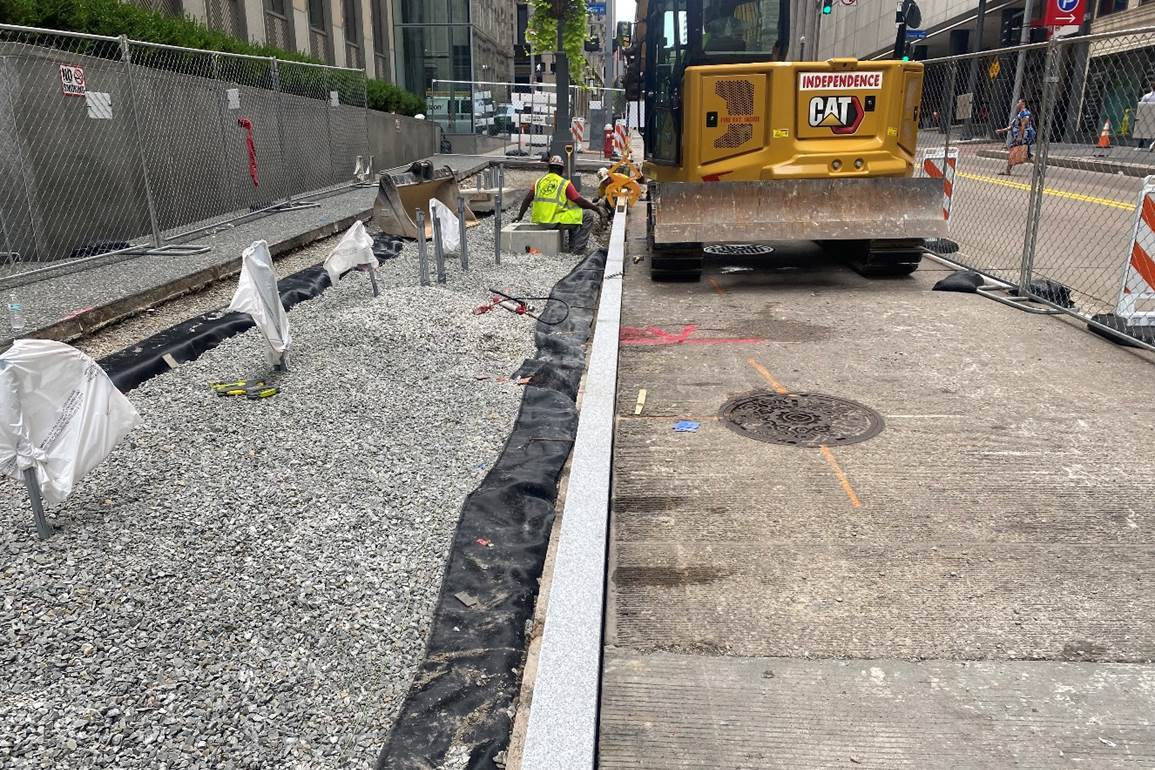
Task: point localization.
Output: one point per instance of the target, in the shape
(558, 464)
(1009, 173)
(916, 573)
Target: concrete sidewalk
(1128, 161)
(69, 305)
(969, 588)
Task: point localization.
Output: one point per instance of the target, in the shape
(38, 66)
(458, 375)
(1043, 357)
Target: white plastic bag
(257, 295)
(355, 248)
(59, 414)
(450, 225)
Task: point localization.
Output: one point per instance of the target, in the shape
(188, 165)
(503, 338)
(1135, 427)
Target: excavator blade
(798, 209)
(400, 195)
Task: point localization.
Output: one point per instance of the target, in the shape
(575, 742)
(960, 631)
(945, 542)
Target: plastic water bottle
(15, 315)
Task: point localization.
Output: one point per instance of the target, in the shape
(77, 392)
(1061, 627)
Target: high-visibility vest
(550, 205)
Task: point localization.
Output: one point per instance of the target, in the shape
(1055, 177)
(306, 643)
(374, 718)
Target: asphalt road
(1084, 231)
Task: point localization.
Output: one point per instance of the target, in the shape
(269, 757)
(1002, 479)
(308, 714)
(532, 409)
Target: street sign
(1059, 13)
(915, 34)
(596, 8)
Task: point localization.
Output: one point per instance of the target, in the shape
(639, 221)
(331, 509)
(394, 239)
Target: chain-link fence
(521, 116)
(110, 146)
(1043, 150)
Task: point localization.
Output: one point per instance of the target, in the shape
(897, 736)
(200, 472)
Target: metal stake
(373, 281)
(497, 216)
(43, 528)
(422, 251)
(438, 250)
(463, 254)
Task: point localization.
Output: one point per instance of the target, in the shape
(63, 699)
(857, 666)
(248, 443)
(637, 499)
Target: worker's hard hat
(603, 173)
(555, 160)
(420, 116)
(608, 127)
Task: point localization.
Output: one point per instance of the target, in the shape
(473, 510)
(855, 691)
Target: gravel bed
(249, 584)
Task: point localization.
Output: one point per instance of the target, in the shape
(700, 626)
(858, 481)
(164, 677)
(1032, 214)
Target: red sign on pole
(1064, 13)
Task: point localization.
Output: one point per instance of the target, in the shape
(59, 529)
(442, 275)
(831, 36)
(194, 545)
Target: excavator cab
(743, 147)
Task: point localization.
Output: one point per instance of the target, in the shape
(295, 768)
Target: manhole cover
(801, 419)
(737, 250)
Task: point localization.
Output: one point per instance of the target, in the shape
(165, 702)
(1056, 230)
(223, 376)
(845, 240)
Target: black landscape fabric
(462, 699)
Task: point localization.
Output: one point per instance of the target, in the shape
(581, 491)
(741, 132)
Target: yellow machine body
(840, 118)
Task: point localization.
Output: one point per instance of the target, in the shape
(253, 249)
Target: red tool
(521, 306)
(247, 125)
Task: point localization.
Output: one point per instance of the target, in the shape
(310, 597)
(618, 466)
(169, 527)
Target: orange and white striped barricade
(1136, 303)
(577, 132)
(621, 138)
(939, 163)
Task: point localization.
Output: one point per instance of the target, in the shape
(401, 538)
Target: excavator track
(879, 258)
(672, 261)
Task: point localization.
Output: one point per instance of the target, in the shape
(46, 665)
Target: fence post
(365, 112)
(334, 173)
(222, 117)
(275, 73)
(500, 179)
(949, 107)
(126, 58)
(1039, 171)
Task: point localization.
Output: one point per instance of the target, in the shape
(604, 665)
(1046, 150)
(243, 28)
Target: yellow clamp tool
(252, 389)
(624, 182)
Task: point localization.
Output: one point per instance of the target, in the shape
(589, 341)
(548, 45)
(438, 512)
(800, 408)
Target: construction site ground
(971, 588)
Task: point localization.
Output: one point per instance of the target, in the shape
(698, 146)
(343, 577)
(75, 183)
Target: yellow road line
(842, 478)
(1049, 191)
(762, 370)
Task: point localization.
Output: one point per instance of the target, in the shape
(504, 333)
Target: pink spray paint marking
(652, 335)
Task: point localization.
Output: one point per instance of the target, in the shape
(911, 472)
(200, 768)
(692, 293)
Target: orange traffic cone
(1105, 135)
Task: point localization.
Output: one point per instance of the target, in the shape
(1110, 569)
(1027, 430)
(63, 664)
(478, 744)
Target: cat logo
(841, 114)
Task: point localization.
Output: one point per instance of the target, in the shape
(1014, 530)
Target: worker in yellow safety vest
(557, 203)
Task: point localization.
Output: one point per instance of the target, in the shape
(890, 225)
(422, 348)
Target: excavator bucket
(400, 195)
(871, 208)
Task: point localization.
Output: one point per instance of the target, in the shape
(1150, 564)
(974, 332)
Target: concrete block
(515, 237)
(483, 200)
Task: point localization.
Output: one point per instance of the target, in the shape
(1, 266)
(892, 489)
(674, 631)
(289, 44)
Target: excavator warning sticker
(841, 114)
(839, 81)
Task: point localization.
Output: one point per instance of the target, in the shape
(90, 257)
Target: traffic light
(827, 7)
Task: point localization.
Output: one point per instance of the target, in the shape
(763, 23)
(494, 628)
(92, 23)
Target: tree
(541, 31)
(563, 21)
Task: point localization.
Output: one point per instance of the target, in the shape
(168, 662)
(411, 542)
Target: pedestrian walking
(1020, 135)
(557, 203)
(1143, 126)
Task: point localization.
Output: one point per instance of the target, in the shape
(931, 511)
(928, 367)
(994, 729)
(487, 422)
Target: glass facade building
(452, 40)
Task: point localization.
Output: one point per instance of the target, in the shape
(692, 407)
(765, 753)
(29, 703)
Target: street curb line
(563, 716)
(92, 319)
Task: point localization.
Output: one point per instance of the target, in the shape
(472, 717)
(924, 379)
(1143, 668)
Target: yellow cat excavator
(743, 147)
